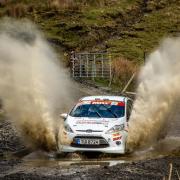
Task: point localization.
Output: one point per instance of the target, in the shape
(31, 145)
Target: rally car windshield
(98, 110)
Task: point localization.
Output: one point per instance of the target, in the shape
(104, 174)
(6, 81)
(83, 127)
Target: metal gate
(91, 65)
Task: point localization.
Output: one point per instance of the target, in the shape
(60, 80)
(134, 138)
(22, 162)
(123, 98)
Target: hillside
(126, 28)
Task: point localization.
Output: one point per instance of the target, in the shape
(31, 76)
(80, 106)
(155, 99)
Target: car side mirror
(64, 116)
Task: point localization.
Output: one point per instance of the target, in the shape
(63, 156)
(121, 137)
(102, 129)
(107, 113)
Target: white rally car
(98, 123)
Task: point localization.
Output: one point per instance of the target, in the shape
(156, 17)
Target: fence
(91, 65)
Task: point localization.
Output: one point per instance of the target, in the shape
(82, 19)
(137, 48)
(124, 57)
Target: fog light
(118, 143)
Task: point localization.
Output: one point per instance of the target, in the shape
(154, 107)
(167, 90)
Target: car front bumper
(113, 147)
(111, 150)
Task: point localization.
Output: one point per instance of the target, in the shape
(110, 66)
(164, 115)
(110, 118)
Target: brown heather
(122, 70)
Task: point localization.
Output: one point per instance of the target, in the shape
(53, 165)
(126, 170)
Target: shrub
(4, 2)
(16, 10)
(62, 4)
(76, 4)
(122, 71)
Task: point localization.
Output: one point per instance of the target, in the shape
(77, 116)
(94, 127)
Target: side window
(129, 108)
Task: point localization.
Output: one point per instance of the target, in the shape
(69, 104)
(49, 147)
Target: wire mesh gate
(91, 65)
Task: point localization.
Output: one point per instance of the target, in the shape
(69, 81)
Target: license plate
(88, 141)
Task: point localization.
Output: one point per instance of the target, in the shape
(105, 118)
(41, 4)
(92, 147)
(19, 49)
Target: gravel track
(21, 167)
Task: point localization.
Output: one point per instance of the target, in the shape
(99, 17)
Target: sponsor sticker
(105, 122)
(116, 138)
(101, 102)
(106, 102)
(117, 103)
(116, 134)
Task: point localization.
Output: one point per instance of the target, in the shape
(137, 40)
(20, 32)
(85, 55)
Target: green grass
(126, 28)
(146, 35)
(95, 23)
(109, 26)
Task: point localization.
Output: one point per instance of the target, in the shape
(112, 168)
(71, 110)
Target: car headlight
(68, 128)
(116, 128)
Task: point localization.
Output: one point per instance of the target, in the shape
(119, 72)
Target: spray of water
(157, 95)
(33, 85)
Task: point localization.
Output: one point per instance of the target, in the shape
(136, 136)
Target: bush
(3, 3)
(122, 71)
(16, 10)
(75, 4)
(62, 4)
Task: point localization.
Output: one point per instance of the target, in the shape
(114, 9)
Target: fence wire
(91, 65)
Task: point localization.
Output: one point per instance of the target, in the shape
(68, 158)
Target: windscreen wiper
(97, 112)
(115, 115)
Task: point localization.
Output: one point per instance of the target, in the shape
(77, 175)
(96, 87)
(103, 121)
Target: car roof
(111, 98)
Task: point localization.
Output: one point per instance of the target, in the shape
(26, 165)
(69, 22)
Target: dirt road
(153, 163)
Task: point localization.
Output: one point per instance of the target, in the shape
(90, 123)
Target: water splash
(157, 95)
(33, 85)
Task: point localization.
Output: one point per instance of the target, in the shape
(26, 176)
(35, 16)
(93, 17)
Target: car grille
(102, 142)
(88, 132)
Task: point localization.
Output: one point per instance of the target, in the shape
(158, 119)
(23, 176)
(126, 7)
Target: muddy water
(78, 162)
(75, 162)
(166, 147)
